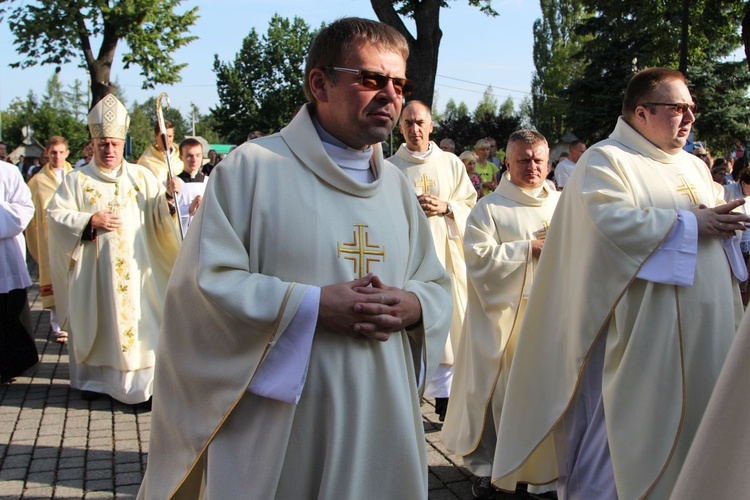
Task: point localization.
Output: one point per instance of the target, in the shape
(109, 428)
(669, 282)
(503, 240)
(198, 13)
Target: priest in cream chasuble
(633, 308)
(447, 196)
(260, 394)
(112, 245)
(505, 235)
(43, 185)
(155, 156)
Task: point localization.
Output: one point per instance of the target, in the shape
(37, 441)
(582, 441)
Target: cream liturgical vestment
(664, 344)
(154, 160)
(444, 175)
(501, 270)
(278, 216)
(109, 291)
(716, 466)
(43, 185)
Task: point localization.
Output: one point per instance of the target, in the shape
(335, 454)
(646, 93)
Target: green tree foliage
(625, 37)
(54, 32)
(557, 63)
(720, 88)
(487, 121)
(54, 114)
(262, 88)
(423, 57)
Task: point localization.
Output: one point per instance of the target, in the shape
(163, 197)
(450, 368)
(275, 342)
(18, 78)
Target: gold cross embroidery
(425, 183)
(362, 254)
(686, 189)
(542, 233)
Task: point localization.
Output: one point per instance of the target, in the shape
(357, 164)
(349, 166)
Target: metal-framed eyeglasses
(680, 107)
(377, 81)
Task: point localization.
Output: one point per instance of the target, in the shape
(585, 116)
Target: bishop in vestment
(446, 196)
(317, 305)
(633, 308)
(504, 238)
(113, 242)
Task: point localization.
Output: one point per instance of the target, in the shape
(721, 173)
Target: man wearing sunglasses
(634, 307)
(446, 196)
(318, 307)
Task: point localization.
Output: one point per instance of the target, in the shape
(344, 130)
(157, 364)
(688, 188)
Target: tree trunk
(421, 67)
(746, 32)
(100, 85)
(684, 37)
(100, 67)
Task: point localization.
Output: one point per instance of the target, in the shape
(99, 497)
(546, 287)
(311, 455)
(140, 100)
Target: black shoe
(482, 488)
(441, 406)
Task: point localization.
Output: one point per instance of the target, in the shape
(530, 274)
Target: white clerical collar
(421, 154)
(355, 162)
(533, 192)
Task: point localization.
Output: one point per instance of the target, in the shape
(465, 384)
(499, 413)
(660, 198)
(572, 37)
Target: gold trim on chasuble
(425, 183)
(121, 257)
(360, 251)
(686, 189)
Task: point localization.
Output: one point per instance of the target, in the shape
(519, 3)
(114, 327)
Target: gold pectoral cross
(686, 189)
(425, 183)
(361, 251)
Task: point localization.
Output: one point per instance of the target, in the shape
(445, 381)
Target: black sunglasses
(377, 81)
(680, 107)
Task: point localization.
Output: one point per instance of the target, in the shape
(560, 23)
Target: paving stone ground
(53, 444)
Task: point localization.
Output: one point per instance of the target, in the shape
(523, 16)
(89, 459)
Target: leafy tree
(205, 126)
(487, 107)
(262, 88)
(47, 117)
(556, 48)
(720, 89)
(628, 36)
(457, 124)
(423, 57)
(77, 98)
(53, 32)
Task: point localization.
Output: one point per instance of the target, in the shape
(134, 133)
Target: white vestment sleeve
(731, 246)
(673, 263)
(282, 374)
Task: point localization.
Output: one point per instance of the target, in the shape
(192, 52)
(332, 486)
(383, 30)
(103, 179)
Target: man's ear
(319, 84)
(640, 114)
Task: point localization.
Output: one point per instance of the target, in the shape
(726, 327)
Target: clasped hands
(720, 220)
(432, 205)
(367, 308)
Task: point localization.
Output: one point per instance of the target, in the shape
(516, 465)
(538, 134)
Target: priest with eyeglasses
(318, 307)
(633, 309)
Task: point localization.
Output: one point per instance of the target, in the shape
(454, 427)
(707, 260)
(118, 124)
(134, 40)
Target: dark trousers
(17, 348)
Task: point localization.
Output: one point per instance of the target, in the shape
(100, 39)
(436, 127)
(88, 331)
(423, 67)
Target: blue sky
(476, 50)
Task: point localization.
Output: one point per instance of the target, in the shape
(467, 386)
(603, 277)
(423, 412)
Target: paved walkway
(53, 444)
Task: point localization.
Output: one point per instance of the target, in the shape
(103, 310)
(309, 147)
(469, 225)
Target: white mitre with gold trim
(109, 118)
